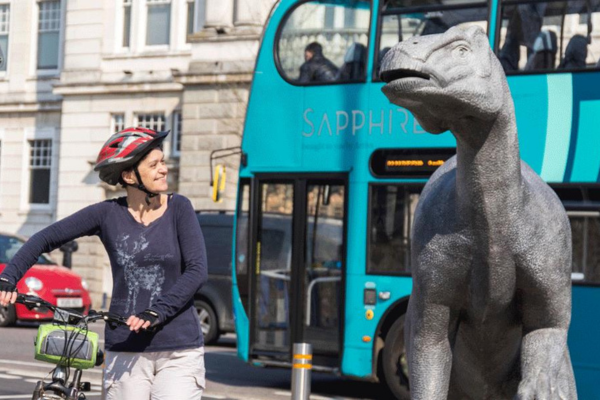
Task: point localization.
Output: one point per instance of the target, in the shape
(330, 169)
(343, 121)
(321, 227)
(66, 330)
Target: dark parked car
(213, 300)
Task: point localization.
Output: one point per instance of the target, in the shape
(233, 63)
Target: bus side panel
(358, 354)
(584, 343)
(584, 152)
(241, 324)
(531, 107)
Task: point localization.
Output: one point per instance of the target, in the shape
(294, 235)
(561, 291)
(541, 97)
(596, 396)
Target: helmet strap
(142, 187)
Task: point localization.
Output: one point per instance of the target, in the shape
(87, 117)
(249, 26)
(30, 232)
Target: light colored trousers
(165, 375)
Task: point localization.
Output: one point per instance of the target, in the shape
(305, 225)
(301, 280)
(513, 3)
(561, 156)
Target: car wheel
(8, 315)
(394, 363)
(208, 322)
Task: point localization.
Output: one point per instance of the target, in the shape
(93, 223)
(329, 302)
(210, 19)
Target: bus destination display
(408, 163)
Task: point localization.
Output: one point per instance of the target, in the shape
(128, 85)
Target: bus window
(391, 212)
(585, 230)
(402, 20)
(583, 208)
(241, 251)
(549, 35)
(325, 42)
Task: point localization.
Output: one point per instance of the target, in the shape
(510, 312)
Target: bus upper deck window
(403, 19)
(549, 35)
(324, 42)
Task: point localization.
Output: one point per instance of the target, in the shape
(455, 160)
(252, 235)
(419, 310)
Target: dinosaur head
(445, 79)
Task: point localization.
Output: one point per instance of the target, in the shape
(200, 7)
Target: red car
(54, 283)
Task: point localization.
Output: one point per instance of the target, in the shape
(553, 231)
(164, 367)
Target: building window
(158, 26)
(151, 121)
(177, 120)
(40, 165)
(4, 28)
(190, 18)
(48, 34)
(118, 123)
(196, 16)
(127, 23)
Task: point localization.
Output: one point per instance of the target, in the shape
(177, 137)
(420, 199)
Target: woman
(158, 261)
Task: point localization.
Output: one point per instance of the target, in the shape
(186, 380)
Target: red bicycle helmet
(124, 149)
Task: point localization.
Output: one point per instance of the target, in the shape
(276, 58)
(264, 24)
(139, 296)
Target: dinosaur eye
(461, 51)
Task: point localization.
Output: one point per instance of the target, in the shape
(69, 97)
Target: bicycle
(68, 343)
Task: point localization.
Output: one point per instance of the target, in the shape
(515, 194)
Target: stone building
(78, 70)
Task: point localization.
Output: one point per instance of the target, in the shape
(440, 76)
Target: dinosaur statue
(491, 246)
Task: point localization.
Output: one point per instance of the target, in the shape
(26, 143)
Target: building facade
(77, 71)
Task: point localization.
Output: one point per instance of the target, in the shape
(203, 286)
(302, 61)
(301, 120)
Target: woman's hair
(129, 169)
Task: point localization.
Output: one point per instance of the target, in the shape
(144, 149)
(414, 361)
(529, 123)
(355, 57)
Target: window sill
(149, 53)
(45, 76)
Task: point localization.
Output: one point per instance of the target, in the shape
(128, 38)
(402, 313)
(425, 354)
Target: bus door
(299, 264)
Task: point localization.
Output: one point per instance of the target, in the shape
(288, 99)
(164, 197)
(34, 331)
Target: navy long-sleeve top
(160, 266)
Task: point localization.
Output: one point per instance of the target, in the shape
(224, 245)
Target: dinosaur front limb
(429, 351)
(545, 366)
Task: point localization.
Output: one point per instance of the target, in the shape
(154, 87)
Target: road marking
(4, 376)
(41, 365)
(28, 396)
(312, 396)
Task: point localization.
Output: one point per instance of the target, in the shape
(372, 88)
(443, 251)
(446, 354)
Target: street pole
(301, 368)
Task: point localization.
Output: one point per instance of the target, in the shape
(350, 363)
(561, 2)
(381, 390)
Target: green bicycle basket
(51, 340)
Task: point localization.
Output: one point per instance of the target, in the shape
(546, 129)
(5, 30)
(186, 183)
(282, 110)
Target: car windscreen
(9, 245)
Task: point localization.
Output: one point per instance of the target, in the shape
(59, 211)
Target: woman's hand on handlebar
(143, 320)
(8, 292)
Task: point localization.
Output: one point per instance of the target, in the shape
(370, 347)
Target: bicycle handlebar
(34, 301)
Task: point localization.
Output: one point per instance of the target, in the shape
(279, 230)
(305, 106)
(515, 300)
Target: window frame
(410, 184)
(138, 30)
(499, 10)
(197, 23)
(177, 131)
(170, 34)
(121, 23)
(6, 51)
(39, 134)
(114, 123)
(277, 39)
(35, 39)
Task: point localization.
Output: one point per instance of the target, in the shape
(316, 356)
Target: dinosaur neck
(489, 172)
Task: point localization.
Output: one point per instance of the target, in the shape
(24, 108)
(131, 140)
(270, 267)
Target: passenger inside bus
(575, 54)
(544, 52)
(354, 63)
(316, 67)
(524, 27)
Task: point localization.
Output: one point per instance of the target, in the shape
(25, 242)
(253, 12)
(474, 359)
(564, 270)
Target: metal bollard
(301, 368)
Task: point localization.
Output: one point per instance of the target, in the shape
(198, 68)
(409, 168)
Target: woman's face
(153, 171)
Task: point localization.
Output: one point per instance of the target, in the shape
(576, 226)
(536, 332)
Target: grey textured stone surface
(491, 249)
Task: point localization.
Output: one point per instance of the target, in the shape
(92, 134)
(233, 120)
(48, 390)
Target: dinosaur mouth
(401, 73)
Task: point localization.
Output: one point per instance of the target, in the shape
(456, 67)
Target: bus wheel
(8, 315)
(208, 322)
(394, 363)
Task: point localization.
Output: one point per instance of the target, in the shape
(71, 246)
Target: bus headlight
(34, 284)
(85, 285)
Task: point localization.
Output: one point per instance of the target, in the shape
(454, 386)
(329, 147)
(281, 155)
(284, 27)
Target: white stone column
(219, 14)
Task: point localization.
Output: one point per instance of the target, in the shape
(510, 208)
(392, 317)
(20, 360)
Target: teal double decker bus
(332, 174)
